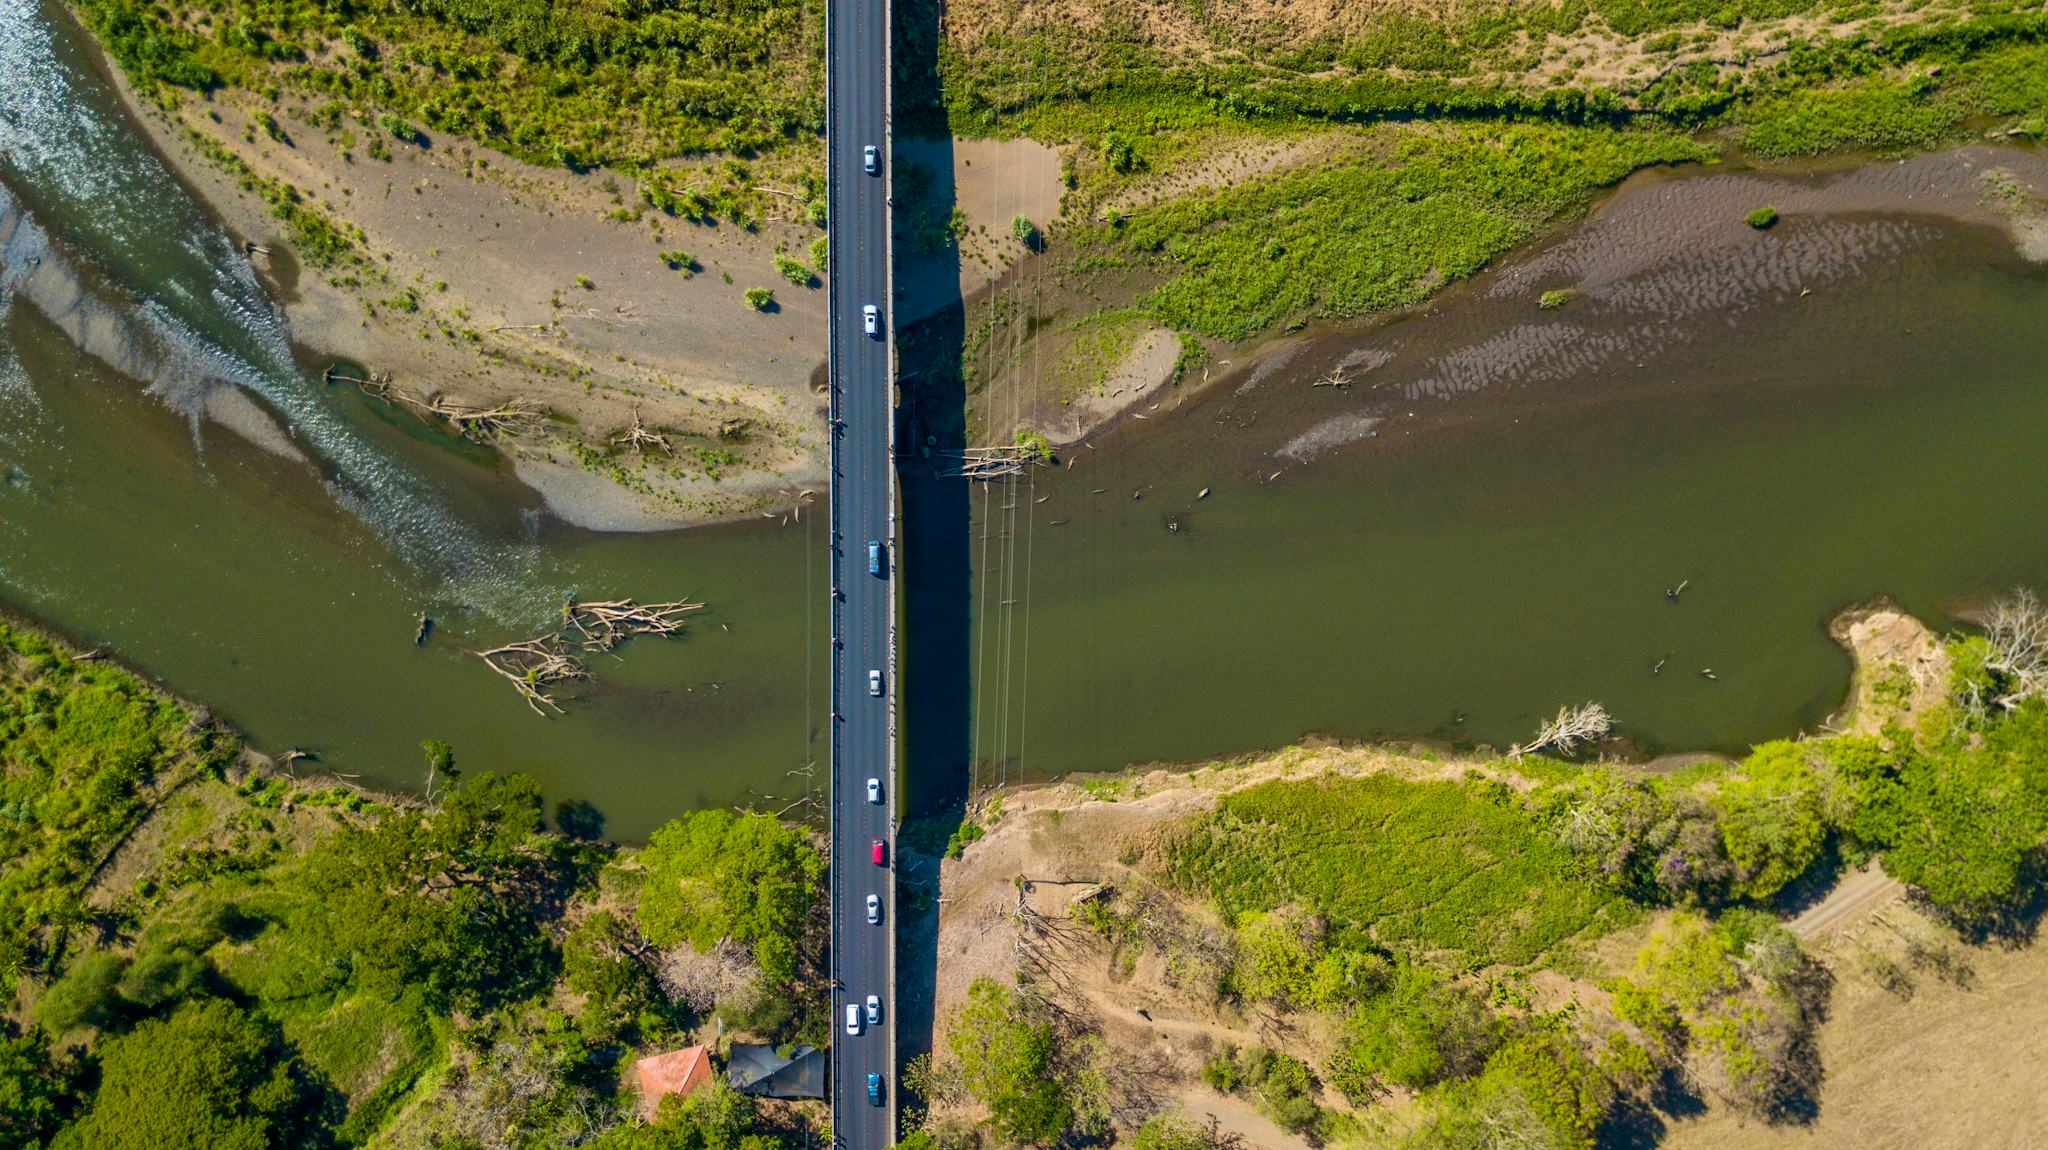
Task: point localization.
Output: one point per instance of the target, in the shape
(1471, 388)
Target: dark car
(874, 1090)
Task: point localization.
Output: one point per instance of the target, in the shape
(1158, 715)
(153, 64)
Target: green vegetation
(1369, 231)
(1555, 298)
(1035, 444)
(1762, 218)
(716, 874)
(551, 84)
(1444, 870)
(760, 298)
(1039, 1079)
(795, 271)
(1441, 139)
(277, 963)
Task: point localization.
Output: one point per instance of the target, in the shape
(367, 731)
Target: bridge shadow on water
(935, 571)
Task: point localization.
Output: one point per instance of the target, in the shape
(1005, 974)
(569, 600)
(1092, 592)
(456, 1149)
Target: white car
(874, 912)
(871, 318)
(875, 683)
(875, 790)
(852, 1018)
(871, 158)
(874, 1010)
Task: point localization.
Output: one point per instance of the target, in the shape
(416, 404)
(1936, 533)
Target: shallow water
(284, 592)
(1481, 526)
(1357, 569)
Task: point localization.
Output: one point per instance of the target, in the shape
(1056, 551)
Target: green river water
(1469, 570)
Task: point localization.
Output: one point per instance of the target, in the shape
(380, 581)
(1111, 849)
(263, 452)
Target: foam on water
(183, 311)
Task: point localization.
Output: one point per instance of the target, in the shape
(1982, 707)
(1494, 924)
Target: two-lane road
(863, 504)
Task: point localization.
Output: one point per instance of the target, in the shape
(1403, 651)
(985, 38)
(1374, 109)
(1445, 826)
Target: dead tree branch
(1572, 726)
(535, 665)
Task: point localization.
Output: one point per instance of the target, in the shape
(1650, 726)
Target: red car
(880, 852)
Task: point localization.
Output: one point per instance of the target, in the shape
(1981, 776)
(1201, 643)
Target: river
(1501, 552)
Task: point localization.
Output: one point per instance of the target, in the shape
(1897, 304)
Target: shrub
(759, 298)
(161, 976)
(1762, 218)
(1772, 820)
(35, 1093)
(1421, 1031)
(87, 995)
(1555, 298)
(792, 270)
(679, 260)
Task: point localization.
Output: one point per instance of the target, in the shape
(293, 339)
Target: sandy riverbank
(488, 280)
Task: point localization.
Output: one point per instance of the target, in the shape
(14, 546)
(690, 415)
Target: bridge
(861, 366)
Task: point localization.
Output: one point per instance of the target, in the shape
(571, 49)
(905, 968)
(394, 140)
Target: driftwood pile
(535, 665)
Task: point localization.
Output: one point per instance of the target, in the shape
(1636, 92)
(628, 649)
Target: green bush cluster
(717, 874)
(83, 750)
(1006, 1048)
(574, 85)
(1415, 868)
(1958, 809)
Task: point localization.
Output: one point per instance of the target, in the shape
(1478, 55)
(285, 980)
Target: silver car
(871, 159)
(875, 683)
(874, 912)
(874, 1010)
(852, 1018)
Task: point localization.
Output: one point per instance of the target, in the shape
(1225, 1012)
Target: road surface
(863, 615)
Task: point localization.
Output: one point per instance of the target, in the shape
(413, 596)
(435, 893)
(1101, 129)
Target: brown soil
(993, 182)
(1901, 669)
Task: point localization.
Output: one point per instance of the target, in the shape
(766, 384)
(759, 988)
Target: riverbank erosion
(609, 349)
(1407, 946)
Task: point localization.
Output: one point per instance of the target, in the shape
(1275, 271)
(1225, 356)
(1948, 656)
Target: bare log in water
(535, 665)
(603, 626)
(538, 664)
(511, 418)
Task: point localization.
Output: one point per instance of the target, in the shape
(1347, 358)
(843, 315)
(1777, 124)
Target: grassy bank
(203, 951)
(1232, 174)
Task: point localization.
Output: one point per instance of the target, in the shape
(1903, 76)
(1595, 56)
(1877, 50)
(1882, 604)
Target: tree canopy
(720, 874)
(447, 900)
(1005, 1052)
(207, 1075)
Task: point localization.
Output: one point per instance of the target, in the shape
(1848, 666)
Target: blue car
(874, 556)
(874, 1090)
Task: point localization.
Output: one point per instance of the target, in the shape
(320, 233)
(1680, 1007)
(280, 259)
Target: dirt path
(1856, 893)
